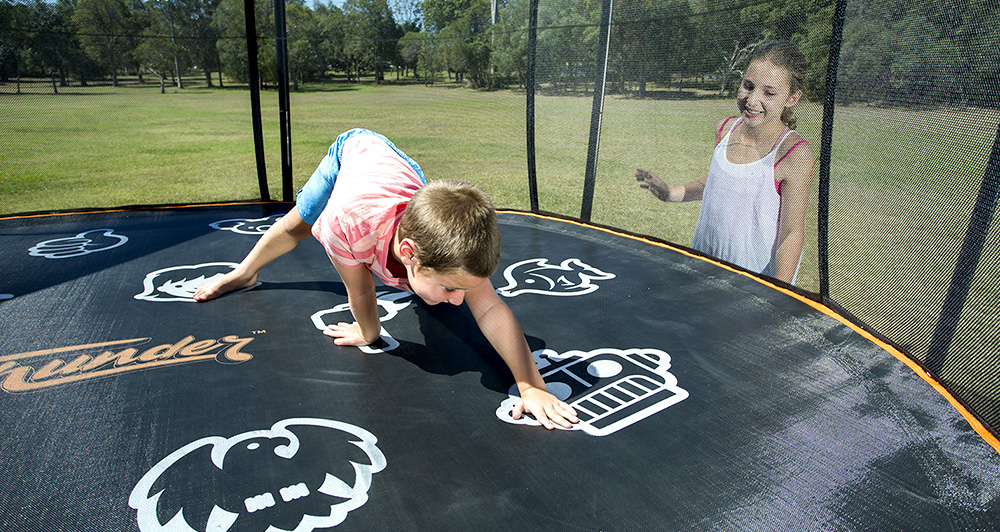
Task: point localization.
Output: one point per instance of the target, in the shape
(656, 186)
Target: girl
(755, 196)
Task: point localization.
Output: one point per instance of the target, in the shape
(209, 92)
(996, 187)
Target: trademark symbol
(262, 331)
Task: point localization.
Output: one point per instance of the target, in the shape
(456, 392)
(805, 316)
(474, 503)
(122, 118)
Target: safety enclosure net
(551, 106)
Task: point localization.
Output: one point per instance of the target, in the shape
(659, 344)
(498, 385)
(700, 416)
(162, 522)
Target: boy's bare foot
(230, 282)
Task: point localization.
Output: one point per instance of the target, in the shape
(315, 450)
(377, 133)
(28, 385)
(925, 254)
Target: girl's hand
(650, 182)
(546, 408)
(346, 334)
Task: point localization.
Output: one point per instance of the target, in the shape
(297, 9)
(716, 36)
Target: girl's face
(765, 93)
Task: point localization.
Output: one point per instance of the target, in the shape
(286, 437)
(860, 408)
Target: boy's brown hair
(453, 226)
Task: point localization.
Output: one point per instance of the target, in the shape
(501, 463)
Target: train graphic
(610, 389)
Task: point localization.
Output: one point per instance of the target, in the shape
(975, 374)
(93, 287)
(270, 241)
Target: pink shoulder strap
(777, 184)
(718, 134)
(796, 145)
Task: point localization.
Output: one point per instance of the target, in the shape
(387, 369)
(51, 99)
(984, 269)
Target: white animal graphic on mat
(247, 226)
(610, 389)
(302, 474)
(179, 283)
(536, 276)
(84, 243)
(389, 301)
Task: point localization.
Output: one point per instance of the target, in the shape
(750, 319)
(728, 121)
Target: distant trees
(917, 53)
(903, 52)
(105, 29)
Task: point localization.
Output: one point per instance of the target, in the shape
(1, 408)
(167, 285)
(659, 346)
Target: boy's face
(435, 288)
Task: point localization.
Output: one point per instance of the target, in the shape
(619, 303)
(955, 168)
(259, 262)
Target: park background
(108, 103)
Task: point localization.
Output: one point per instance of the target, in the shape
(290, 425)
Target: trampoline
(710, 399)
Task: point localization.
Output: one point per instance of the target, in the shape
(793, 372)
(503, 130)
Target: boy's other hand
(546, 408)
(346, 334)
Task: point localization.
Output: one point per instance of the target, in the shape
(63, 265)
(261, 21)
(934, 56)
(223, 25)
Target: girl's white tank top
(738, 222)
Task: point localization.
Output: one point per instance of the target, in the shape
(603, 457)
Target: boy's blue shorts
(314, 195)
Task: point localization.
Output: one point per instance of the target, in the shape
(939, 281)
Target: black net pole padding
(968, 261)
(823, 211)
(596, 113)
(284, 116)
(250, 19)
(530, 104)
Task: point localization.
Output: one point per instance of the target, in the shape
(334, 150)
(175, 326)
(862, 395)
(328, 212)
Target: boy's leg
(279, 239)
(312, 198)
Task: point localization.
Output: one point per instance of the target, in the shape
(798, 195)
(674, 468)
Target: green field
(107, 147)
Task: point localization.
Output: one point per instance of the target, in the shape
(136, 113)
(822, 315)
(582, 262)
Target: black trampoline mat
(711, 400)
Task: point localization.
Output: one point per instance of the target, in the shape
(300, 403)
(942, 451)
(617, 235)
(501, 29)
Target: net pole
(250, 20)
(968, 261)
(530, 104)
(284, 114)
(597, 111)
(829, 98)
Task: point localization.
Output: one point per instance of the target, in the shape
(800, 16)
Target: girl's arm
(795, 173)
(692, 191)
(687, 192)
(501, 328)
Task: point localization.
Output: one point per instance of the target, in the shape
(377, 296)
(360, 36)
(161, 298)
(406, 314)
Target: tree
(158, 56)
(201, 37)
(729, 66)
(305, 59)
(722, 26)
(409, 49)
(373, 35)
(407, 13)
(332, 26)
(438, 14)
(510, 42)
(567, 43)
(978, 38)
(229, 22)
(106, 29)
(162, 34)
(815, 45)
(899, 52)
(648, 41)
(15, 48)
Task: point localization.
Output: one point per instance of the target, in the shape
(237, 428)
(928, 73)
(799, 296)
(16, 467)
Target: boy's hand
(546, 408)
(346, 334)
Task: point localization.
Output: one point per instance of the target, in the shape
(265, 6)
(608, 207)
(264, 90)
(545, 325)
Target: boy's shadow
(452, 341)
(453, 344)
(332, 287)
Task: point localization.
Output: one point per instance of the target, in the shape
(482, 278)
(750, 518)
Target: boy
(440, 241)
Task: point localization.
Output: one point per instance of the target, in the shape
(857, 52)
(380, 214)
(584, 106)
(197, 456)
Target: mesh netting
(913, 250)
(898, 226)
(911, 243)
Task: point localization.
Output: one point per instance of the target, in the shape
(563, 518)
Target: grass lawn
(106, 147)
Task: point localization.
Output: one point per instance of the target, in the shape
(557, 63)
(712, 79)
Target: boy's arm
(501, 328)
(364, 306)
